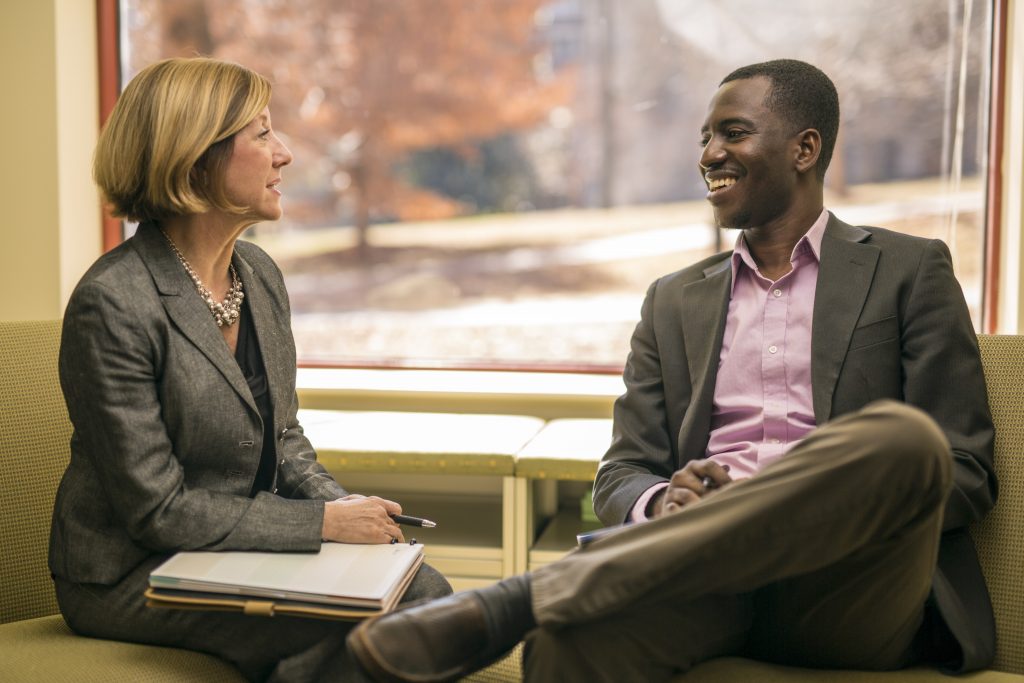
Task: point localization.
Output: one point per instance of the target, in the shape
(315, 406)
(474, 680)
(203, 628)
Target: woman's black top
(250, 360)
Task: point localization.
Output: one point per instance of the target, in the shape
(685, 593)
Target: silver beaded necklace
(225, 313)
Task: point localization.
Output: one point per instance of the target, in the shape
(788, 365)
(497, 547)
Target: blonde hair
(162, 152)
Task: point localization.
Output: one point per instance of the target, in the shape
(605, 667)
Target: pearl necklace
(225, 313)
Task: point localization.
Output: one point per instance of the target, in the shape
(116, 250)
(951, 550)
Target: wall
(50, 228)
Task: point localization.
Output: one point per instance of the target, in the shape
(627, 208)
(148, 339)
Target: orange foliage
(364, 82)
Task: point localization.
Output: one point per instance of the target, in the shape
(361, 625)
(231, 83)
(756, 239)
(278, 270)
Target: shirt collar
(810, 242)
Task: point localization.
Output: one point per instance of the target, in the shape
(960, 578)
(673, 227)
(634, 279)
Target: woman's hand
(361, 519)
(698, 479)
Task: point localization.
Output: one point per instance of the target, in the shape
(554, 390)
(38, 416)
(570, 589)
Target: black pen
(413, 521)
(708, 483)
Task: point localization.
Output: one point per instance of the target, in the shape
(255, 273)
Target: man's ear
(808, 149)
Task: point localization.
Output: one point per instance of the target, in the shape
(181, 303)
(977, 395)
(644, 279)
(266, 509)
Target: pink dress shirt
(762, 402)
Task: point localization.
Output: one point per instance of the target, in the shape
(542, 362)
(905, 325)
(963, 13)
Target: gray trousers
(278, 649)
(823, 559)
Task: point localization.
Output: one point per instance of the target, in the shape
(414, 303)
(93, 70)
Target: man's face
(747, 158)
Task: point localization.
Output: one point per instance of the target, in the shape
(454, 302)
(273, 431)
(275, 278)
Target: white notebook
(371, 577)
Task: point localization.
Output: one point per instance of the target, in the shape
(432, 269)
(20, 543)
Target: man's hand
(698, 479)
(361, 519)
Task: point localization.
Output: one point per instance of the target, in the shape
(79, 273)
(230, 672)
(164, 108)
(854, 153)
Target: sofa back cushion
(34, 449)
(1000, 536)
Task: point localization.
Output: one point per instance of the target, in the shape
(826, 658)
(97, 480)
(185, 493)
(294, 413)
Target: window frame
(994, 186)
(109, 49)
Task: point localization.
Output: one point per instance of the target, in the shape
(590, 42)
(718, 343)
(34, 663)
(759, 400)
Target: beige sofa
(37, 646)
(34, 451)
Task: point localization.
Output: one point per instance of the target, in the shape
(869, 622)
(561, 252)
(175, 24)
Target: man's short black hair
(803, 95)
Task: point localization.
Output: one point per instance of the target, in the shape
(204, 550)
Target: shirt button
(775, 441)
(773, 348)
(777, 292)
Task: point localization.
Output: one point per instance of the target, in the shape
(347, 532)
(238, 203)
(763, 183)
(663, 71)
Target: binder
(342, 581)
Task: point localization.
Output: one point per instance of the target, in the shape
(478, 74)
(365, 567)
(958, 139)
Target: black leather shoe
(440, 640)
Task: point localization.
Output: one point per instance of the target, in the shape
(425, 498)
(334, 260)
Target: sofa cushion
(733, 669)
(45, 649)
(34, 448)
(1000, 536)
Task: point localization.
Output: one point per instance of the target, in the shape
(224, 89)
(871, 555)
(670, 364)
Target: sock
(508, 609)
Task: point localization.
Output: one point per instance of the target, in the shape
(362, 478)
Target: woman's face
(253, 171)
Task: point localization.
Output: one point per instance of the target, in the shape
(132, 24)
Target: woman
(178, 368)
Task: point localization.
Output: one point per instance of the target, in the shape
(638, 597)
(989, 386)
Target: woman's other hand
(361, 519)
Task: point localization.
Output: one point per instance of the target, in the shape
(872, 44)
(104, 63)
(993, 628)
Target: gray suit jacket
(889, 322)
(167, 437)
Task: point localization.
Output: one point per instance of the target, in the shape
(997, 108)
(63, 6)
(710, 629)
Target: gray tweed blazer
(167, 437)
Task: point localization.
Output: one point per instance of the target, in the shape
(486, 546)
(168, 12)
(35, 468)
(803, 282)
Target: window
(496, 182)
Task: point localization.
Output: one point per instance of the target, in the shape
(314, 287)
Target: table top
(438, 443)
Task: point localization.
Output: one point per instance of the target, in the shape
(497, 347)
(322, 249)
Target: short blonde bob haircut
(163, 151)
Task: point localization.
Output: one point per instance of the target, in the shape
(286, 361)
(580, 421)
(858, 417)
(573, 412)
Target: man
(803, 440)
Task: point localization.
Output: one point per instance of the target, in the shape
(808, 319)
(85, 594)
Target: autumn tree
(359, 84)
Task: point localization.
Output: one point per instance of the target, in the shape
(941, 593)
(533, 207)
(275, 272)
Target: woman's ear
(808, 149)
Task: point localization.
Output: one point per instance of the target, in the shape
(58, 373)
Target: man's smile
(719, 183)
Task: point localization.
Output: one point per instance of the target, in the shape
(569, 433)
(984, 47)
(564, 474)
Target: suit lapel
(705, 304)
(846, 270)
(185, 308)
